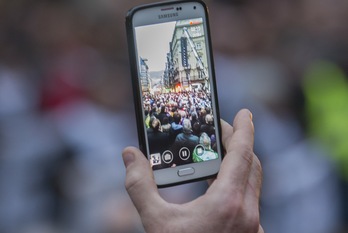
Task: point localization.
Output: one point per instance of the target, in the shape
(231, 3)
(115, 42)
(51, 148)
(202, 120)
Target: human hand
(231, 203)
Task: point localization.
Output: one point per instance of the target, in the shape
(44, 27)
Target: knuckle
(232, 208)
(253, 222)
(133, 180)
(257, 167)
(257, 164)
(249, 221)
(247, 154)
(234, 213)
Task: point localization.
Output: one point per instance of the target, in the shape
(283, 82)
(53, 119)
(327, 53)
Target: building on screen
(186, 65)
(144, 75)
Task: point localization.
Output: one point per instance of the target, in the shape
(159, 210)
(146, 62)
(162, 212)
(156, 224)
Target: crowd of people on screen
(179, 120)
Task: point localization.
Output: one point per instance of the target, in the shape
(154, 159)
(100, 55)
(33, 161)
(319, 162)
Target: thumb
(140, 183)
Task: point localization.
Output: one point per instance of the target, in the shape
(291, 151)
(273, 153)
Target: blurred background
(66, 111)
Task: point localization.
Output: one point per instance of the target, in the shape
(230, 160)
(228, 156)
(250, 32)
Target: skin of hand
(230, 204)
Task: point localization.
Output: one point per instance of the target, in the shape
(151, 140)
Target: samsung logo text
(170, 15)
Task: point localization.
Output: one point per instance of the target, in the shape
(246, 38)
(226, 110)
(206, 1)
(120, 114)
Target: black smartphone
(174, 90)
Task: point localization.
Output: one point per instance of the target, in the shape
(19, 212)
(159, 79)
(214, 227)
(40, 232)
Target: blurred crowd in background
(66, 111)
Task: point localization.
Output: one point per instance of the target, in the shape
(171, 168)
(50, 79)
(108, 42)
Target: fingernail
(251, 116)
(128, 158)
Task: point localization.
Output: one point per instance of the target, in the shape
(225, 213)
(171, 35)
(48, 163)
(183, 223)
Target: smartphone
(174, 89)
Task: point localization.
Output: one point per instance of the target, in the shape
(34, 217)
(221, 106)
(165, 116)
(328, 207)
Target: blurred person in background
(65, 97)
(262, 56)
(66, 113)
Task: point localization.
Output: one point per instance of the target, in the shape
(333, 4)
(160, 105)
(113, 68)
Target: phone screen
(176, 93)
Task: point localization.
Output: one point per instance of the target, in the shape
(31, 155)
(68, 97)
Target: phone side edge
(215, 93)
(134, 79)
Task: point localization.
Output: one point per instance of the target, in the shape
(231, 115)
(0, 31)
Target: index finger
(238, 142)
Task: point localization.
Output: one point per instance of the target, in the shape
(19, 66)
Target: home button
(186, 171)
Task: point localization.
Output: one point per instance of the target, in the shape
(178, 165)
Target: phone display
(174, 87)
